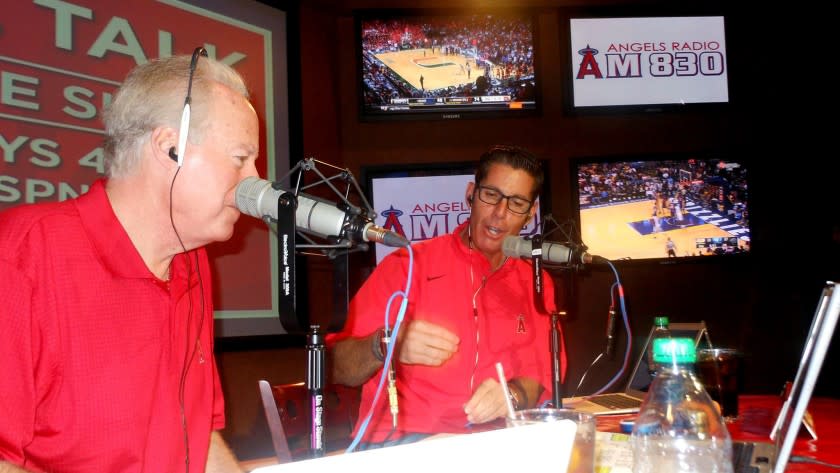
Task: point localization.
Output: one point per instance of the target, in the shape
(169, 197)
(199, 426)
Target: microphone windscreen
(516, 246)
(249, 194)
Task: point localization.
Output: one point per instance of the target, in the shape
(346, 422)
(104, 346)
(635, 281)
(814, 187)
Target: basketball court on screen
(627, 231)
(438, 70)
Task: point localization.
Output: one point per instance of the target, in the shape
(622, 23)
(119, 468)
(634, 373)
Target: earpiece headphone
(178, 157)
(184, 128)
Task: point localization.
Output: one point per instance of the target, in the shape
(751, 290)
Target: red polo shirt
(93, 346)
(506, 329)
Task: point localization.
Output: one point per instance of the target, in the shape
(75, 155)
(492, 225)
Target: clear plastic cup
(583, 449)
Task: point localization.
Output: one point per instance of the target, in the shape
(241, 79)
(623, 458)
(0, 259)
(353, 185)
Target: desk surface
(757, 415)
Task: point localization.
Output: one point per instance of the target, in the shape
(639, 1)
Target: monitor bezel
(727, 156)
(569, 108)
(456, 168)
(367, 115)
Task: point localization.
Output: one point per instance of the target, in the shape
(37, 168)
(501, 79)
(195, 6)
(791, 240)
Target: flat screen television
(646, 63)
(451, 64)
(422, 201)
(663, 207)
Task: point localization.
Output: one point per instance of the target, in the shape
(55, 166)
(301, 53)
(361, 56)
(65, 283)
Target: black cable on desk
(804, 459)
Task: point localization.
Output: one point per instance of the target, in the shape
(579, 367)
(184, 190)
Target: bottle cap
(661, 320)
(674, 350)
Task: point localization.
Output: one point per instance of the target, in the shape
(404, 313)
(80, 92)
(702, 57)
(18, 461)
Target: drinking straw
(503, 382)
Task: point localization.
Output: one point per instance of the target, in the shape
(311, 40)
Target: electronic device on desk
(761, 457)
(630, 399)
(766, 457)
(807, 419)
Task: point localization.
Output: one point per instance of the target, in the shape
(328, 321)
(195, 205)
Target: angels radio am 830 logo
(653, 59)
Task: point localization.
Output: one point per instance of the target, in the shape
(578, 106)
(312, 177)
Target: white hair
(152, 95)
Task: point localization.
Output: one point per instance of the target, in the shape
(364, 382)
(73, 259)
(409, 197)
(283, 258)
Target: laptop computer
(765, 457)
(629, 401)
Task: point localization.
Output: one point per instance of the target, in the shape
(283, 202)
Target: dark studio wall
(761, 304)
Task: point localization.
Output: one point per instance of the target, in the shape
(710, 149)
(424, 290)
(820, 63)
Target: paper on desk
(613, 453)
(526, 448)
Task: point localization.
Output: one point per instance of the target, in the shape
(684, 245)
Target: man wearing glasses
(469, 307)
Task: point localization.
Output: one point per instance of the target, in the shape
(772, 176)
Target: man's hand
(10, 468)
(418, 343)
(220, 458)
(487, 402)
(424, 343)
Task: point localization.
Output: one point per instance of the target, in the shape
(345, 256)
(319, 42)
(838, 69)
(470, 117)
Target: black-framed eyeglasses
(492, 196)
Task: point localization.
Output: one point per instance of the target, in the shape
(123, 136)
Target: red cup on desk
(721, 371)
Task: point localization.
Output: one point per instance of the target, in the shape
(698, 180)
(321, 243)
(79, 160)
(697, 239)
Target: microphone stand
(337, 248)
(556, 350)
(555, 338)
(287, 298)
(293, 322)
(315, 355)
(287, 302)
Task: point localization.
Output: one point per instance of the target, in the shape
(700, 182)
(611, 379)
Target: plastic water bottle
(679, 429)
(660, 331)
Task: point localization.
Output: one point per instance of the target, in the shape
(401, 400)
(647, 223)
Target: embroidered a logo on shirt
(520, 323)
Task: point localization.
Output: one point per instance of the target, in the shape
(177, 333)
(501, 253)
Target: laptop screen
(641, 378)
(816, 345)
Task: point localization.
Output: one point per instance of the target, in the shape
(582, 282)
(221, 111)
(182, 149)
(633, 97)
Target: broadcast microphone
(256, 197)
(552, 252)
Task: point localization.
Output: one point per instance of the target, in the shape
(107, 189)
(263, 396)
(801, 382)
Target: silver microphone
(258, 198)
(552, 252)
